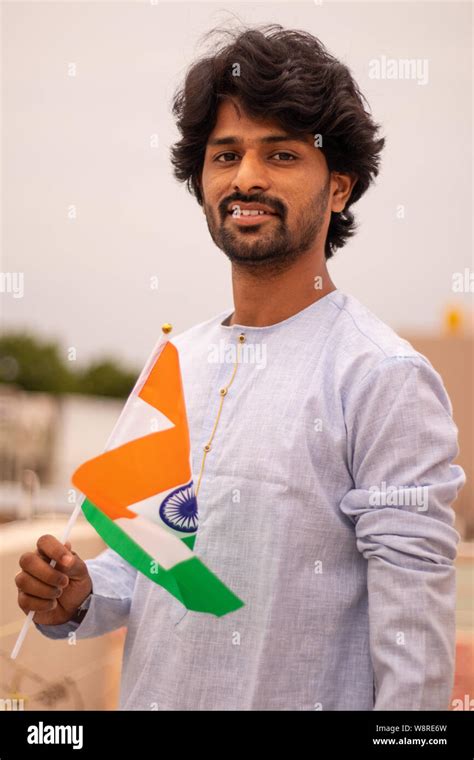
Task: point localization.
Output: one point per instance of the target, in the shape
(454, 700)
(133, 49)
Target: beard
(269, 245)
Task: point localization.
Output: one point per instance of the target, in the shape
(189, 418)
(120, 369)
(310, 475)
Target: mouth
(251, 215)
(249, 221)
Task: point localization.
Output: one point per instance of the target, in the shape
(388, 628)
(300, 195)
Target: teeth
(248, 212)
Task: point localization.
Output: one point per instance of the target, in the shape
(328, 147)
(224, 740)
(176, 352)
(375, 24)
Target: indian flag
(140, 495)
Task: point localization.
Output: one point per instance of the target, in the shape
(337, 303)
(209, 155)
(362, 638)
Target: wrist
(81, 611)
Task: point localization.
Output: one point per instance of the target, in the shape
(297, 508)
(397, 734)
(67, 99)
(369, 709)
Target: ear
(341, 187)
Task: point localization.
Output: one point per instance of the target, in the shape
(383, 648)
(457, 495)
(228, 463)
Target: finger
(70, 564)
(28, 603)
(54, 563)
(40, 568)
(34, 587)
(50, 547)
(74, 569)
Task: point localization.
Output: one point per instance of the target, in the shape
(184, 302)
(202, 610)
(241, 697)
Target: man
(322, 441)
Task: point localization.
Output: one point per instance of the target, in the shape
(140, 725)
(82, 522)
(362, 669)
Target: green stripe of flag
(191, 582)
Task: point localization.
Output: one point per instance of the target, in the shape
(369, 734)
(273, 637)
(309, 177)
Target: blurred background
(100, 246)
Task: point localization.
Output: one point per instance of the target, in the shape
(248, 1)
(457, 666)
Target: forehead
(231, 113)
(232, 120)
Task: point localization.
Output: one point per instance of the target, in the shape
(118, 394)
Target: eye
(221, 155)
(288, 155)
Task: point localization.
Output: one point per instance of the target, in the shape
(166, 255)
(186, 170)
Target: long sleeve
(113, 582)
(401, 444)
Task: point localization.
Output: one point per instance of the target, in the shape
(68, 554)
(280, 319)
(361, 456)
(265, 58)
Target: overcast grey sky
(83, 142)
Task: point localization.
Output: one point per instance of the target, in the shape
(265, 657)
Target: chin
(251, 257)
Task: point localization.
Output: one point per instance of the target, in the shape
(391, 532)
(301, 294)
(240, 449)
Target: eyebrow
(268, 139)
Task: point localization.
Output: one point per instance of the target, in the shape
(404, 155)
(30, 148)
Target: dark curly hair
(287, 75)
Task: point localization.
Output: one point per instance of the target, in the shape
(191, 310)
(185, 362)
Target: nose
(250, 175)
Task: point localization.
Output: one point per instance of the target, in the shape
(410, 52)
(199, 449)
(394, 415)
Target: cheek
(210, 185)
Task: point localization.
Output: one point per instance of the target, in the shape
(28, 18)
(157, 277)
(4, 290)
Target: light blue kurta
(325, 505)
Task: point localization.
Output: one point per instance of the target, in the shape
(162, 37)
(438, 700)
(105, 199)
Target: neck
(261, 299)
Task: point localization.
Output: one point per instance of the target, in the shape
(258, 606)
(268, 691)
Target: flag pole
(166, 328)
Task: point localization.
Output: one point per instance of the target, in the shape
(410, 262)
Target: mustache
(272, 203)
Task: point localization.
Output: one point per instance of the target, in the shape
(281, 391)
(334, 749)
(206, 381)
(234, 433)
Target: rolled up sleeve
(113, 582)
(401, 444)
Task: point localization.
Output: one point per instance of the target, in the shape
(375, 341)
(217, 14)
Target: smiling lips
(246, 213)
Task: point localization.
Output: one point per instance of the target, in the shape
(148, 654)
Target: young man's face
(250, 163)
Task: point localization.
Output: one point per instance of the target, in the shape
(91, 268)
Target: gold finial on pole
(166, 328)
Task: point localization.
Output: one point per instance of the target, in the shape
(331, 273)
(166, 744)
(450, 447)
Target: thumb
(73, 565)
